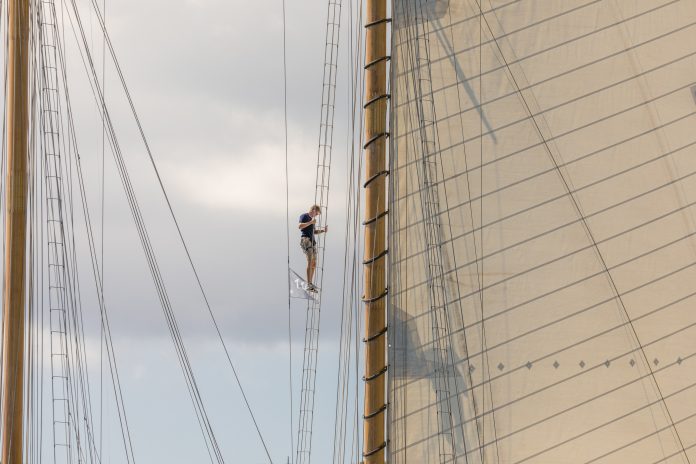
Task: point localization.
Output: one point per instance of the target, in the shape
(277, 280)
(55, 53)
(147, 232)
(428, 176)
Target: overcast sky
(206, 78)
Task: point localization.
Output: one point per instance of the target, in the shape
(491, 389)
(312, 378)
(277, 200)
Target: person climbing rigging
(307, 242)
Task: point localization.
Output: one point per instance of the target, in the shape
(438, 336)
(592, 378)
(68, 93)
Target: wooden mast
(376, 103)
(15, 231)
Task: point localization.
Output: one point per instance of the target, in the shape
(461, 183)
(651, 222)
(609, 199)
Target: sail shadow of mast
(419, 15)
(427, 173)
(461, 77)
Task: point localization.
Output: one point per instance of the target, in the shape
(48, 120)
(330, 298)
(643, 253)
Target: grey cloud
(206, 79)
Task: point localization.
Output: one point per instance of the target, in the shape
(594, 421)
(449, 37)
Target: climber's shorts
(309, 248)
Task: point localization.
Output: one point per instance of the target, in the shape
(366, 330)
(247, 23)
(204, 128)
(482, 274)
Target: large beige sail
(543, 234)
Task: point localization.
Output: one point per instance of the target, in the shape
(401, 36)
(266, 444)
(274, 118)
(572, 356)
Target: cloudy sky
(206, 78)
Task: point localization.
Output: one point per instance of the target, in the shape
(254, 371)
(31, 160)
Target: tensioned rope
(480, 428)
(467, 355)
(144, 139)
(79, 356)
(194, 392)
(428, 149)
(39, 50)
(428, 154)
(35, 332)
(45, 163)
(103, 215)
(287, 224)
(63, 379)
(172, 324)
(350, 309)
(321, 197)
(70, 147)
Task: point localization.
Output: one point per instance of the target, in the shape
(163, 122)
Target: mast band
(374, 177)
(375, 258)
(376, 298)
(378, 60)
(376, 450)
(378, 374)
(374, 138)
(374, 413)
(375, 336)
(379, 216)
(377, 98)
(376, 22)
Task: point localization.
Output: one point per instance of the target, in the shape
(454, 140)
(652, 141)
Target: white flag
(299, 288)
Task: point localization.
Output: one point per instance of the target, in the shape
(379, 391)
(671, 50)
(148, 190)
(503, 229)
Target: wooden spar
(15, 232)
(376, 102)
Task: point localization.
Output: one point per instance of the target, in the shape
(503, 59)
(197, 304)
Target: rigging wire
(175, 220)
(172, 324)
(137, 216)
(321, 197)
(58, 180)
(71, 149)
(454, 258)
(103, 269)
(195, 396)
(457, 301)
(427, 151)
(349, 331)
(448, 364)
(287, 226)
(356, 453)
(34, 335)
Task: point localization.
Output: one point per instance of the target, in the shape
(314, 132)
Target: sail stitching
(580, 158)
(603, 364)
(604, 424)
(560, 105)
(587, 216)
(579, 38)
(536, 361)
(592, 239)
(588, 308)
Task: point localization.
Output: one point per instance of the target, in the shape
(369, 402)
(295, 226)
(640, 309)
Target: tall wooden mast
(376, 103)
(15, 233)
